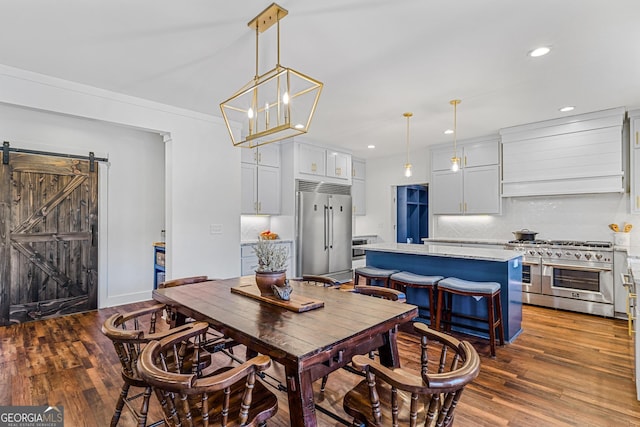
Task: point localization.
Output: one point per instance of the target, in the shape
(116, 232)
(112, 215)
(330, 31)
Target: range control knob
(598, 257)
(558, 254)
(549, 252)
(587, 255)
(540, 253)
(532, 252)
(577, 255)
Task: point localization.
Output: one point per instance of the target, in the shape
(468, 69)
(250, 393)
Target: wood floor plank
(565, 369)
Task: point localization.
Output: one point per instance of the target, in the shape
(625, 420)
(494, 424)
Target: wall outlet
(215, 229)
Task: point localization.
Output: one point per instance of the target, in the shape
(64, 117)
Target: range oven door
(578, 282)
(531, 277)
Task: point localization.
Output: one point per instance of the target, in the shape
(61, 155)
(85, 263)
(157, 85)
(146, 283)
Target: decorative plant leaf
(271, 257)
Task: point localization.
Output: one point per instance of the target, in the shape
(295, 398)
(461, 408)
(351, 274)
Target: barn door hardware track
(6, 148)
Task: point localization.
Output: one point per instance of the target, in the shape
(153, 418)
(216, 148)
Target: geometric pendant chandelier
(273, 106)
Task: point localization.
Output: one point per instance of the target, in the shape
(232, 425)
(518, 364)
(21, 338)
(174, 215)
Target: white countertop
(253, 242)
(484, 254)
(465, 240)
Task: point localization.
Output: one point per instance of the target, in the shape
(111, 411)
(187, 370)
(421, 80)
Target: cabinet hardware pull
(460, 208)
(259, 206)
(637, 137)
(465, 160)
(630, 316)
(313, 167)
(637, 201)
(465, 206)
(338, 171)
(259, 157)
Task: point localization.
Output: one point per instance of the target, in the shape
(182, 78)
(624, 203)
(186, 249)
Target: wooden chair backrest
(447, 366)
(200, 396)
(182, 281)
(129, 332)
(319, 280)
(380, 292)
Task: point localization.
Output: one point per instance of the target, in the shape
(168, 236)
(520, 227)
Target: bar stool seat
(373, 273)
(490, 290)
(414, 286)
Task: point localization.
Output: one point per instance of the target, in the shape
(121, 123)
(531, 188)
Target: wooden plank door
(48, 237)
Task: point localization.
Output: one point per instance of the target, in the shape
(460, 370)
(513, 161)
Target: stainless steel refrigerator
(324, 232)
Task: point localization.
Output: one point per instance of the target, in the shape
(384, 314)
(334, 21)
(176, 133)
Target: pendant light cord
(408, 117)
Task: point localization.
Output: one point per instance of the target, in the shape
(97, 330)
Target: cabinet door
(358, 196)
(269, 155)
(441, 158)
(268, 190)
(338, 165)
(481, 154)
(482, 190)
(446, 192)
(311, 160)
(635, 166)
(635, 181)
(249, 192)
(358, 169)
(249, 155)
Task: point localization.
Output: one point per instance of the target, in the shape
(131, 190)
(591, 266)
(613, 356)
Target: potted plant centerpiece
(272, 262)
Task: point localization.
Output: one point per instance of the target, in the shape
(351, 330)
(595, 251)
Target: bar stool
(417, 284)
(490, 290)
(373, 273)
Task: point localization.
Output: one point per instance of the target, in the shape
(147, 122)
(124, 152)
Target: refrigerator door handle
(331, 226)
(326, 227)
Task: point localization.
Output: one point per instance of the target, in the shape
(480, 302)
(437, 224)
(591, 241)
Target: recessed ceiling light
(448, 131)
(299, 126)
(539, 51)
(567, 108)
(371, 146)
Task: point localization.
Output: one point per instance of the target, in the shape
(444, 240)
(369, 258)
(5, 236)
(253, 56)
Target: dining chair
(129, 333)
(216, 340)
(206, 396)
(398, 396)
(374, 291)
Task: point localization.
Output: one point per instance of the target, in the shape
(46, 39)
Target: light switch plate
(215, 229)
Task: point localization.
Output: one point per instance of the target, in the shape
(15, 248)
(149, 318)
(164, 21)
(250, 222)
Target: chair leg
(439, 310)
(324, 383)
(492, 325)
(120, 404)
(432, 313)
(144, 410)
(356, 279)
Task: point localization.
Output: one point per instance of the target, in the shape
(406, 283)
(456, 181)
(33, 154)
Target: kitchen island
(468, 263)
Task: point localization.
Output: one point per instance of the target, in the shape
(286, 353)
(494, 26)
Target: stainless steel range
(569, 275)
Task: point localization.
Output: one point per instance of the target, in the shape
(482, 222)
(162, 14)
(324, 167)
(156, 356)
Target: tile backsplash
(251, 226)
(566, 217)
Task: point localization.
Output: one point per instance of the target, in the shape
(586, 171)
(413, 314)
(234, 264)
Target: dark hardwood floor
(566, 369)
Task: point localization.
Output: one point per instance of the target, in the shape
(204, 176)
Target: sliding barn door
(48, 237)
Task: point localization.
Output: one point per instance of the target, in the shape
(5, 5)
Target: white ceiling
(376, 58)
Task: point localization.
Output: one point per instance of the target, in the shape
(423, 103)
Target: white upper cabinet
(315, 162)
(312, 160)
(573, 155)
(338, 165)
(634, 143)
(358, 169)
(358, 187)
(260, 180)
(475, 188)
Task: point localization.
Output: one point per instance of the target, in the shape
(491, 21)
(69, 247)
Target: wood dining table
(309, 344)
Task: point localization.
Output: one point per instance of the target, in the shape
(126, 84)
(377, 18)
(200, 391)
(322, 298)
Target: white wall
(202, 177)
